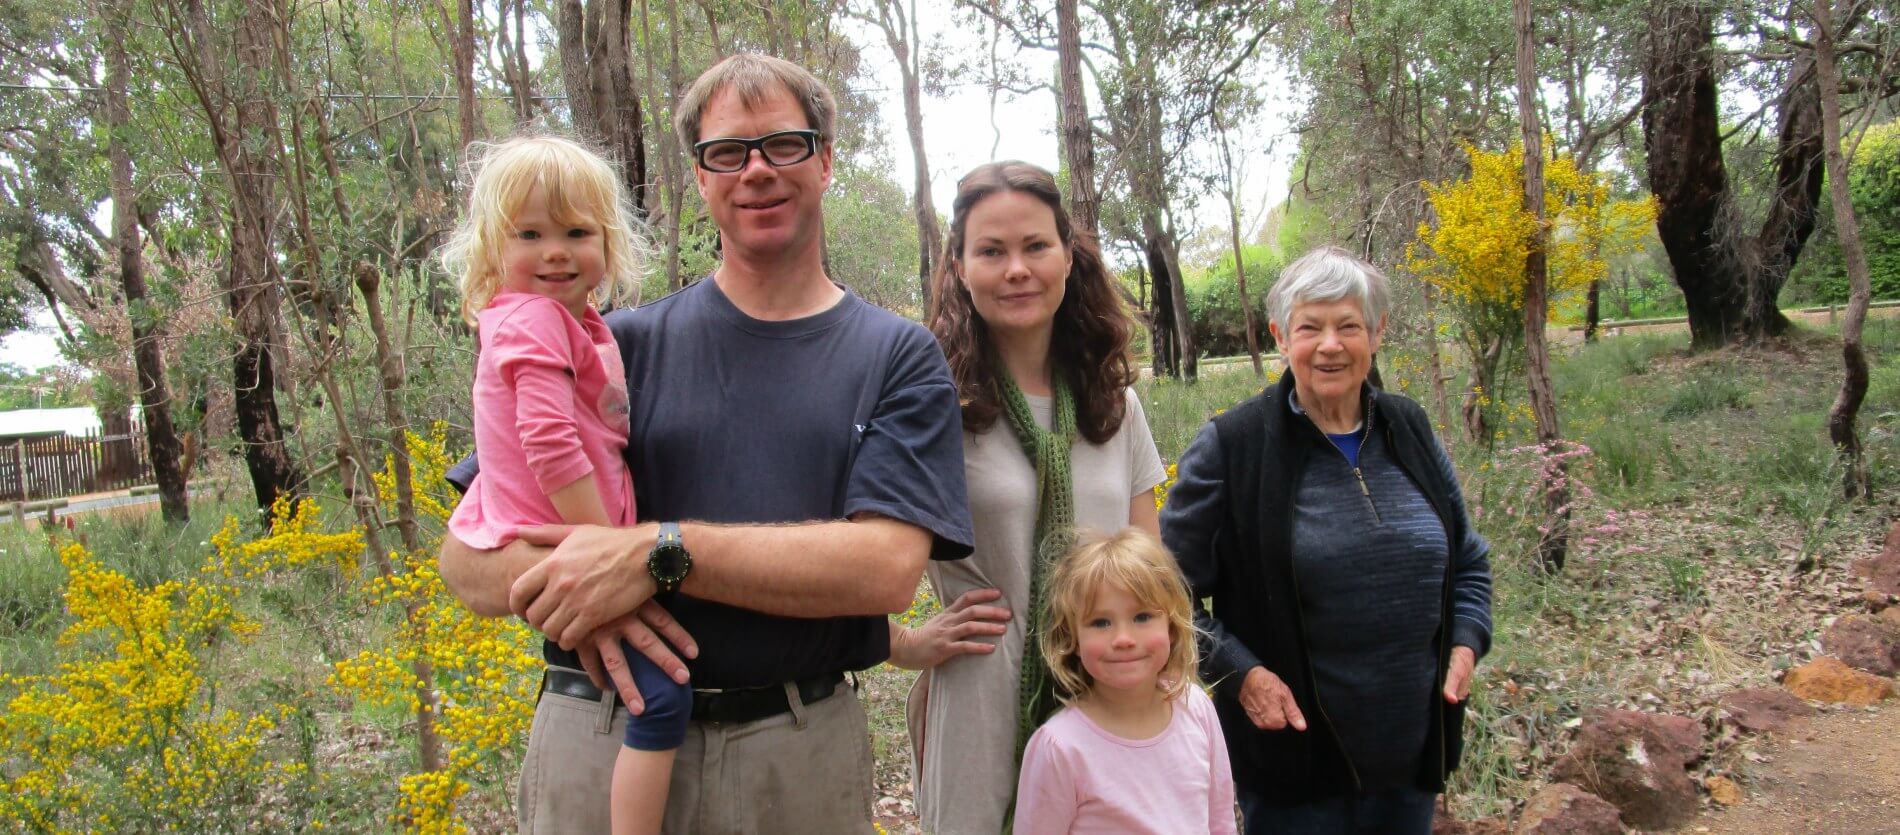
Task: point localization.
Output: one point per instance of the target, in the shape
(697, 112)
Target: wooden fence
(53, 467)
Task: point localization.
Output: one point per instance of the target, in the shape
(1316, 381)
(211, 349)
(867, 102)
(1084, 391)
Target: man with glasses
(796, 456)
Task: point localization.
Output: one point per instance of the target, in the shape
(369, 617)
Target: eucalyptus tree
(897, 21)
(66, 150)
(49, 246)
(1556, 537)
(1729, 280)
(597, 74)
(154, 391)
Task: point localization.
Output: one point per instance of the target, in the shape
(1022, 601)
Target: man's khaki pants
(804, 771)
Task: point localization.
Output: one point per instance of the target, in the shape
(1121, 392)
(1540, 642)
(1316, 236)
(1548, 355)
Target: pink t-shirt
(550, 407)
(1078, 778)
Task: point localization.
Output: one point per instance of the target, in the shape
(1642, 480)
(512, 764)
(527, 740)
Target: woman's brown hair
(1092, 326)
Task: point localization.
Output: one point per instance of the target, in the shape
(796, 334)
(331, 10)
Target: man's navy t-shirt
(742, 421)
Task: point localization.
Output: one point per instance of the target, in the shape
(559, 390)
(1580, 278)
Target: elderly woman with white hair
(1351, 596)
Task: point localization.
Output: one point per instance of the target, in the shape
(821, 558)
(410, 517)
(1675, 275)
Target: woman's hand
(948, 633)
(1458, 674)
(1268, 702)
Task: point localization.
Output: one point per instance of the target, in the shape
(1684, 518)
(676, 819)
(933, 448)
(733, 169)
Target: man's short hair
(753, 77)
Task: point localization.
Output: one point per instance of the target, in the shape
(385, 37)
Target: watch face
(668, 562)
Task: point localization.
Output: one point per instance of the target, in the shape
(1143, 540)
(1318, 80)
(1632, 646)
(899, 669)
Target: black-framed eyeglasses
(728, 154)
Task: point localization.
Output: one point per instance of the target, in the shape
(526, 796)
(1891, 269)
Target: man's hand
(949, 633)
(1268, 702)
(1458, 674)
(594, 575)
(651, 631)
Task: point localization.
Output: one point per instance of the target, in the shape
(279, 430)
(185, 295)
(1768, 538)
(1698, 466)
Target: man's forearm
(825, 569)
(481, 579)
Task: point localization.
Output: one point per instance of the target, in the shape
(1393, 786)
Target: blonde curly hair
(582, 187)
(1134, 561)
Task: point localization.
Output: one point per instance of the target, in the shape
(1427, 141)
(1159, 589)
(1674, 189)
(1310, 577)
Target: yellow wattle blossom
(1475, 253)
(133, 731)
(131, 711)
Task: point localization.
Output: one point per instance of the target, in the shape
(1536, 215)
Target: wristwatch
(669, 562)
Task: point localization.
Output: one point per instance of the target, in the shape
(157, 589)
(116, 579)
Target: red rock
(1877, 601)
(1564, 809)
(1638, 762)
(1444, 823)
(1826, 679)
(1763, 709)
(1863, 642)
(1724, 791)
(1883, 572)
(1891, 615)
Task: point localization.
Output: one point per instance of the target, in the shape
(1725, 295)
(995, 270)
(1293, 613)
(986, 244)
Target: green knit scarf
(1055, 532)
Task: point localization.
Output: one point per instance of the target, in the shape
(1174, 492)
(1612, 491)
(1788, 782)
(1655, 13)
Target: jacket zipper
(1311, 678)
(1356, 472)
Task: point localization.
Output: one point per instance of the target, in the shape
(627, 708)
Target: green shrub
(1628, 451)
(30, 597)
(1220, 327)
(1706, 391)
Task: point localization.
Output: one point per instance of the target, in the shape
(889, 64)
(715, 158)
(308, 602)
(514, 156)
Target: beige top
(962, 714)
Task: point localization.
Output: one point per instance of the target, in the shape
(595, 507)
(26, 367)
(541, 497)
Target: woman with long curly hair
(1054, 440)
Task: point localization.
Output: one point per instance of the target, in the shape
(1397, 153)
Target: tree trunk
(1240, 285)
(1729, 282)
(514, 57)
(252, 290)
(1231, 192)
(161, 437)
(571, 39)
(1435, 359)
(1166, 347)
(1592, 311)
(1480, 389)
(900, 33)
(1842, 417)
(1536, 305)
(624, 126)
(1183, 318)
(389, 366)
(1078, 144)
(468, 110)
(665, 142)
(593, 39)
(676, 189)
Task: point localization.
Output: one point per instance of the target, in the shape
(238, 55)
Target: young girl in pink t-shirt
(547, 234)
(1137, 749)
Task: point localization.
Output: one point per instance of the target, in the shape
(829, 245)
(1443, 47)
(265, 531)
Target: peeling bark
(1729, 281)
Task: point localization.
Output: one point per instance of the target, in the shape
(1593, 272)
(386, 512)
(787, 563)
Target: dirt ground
(1838, 773)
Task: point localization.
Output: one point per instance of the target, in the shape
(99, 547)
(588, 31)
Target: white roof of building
(75, 421)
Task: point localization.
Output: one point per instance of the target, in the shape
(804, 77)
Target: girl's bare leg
(641, 779)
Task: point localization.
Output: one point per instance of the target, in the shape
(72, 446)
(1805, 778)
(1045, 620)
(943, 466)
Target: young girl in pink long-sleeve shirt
(548, 233)
(1137, 749)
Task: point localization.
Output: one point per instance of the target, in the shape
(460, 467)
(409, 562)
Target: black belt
(728, 706)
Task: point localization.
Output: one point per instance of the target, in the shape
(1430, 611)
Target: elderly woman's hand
(1268, 702)
(948, 633)
(1458, 674)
